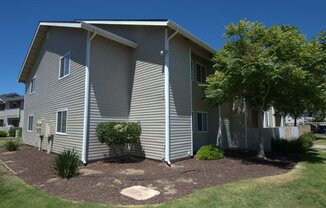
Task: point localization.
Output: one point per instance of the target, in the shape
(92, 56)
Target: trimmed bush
(66, 164)
(209, 152)
(12, 145)
(301, 145)
(12, 131)
(118, 133)
(3, 134)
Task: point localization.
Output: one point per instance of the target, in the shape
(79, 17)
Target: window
(64, 66)
(62, 121)
(1, 123)
(33, 87)
(201, 122)
(30, 123)
(200, 73)
(192, 70)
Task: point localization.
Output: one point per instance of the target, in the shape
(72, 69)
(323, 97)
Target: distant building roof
(10, 97)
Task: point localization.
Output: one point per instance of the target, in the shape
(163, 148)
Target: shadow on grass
(312, 156)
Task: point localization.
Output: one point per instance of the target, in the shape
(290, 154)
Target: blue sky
(205, 18)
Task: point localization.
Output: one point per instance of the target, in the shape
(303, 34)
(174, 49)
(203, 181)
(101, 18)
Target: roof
(88, 25)
(10, 97)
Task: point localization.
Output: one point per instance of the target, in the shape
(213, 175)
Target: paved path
(319, 146)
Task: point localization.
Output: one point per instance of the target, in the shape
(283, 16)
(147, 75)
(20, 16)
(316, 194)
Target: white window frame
(197, 129)
(32, 83)
(192, 70)
(62, 58)
(202, 68)
(56, 121)
(28, 123)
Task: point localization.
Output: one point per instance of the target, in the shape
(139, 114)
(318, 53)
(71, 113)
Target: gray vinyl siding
(146, 86)
(180, 99)
(53, 94)
(110, 74)
(200, 105)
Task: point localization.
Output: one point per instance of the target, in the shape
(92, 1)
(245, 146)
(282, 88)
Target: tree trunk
(261, 153)
(295, 121)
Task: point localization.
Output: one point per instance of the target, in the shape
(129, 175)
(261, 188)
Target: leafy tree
(266, 66)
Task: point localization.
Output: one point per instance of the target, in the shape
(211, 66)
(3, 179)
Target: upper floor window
(200, 73)
(202, 121)
(30, 123)
(62, 121)
(64, 65)
(33, 85)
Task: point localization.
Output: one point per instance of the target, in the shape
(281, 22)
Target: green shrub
(3, 133)
(300, 145)
(209, 152)
(118, 133)
(12, 131)
(12, 145)
(66, 164)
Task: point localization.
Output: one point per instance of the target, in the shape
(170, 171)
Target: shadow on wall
(125, 153)
(233, 127)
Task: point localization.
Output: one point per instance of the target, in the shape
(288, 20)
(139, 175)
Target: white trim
(56, 121)
(30, 115)
(61, 24)
(30, 87)
(190, 36)
(108, 35)
(167, 96)
(86, 96)
(60, 59)
(219, 132)
(191, 117)
(116, 22)
(202, 112)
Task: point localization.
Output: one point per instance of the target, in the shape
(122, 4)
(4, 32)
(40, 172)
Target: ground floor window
(1, 122)
(30, 123)
(62, 121)
(202, 120)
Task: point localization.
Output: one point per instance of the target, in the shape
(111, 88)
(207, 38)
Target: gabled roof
(89, 26)
(10, 97)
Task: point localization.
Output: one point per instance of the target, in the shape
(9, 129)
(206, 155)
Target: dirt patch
(103, 181)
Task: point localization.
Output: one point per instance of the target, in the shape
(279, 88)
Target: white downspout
(167, 93)
(86, 97)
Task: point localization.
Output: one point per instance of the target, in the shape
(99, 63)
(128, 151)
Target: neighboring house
(11, 110)
(80, 73)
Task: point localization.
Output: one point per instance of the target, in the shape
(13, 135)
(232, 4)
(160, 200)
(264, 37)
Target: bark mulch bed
(102, 181)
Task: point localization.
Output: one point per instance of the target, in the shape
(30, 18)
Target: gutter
(86, 98)
(167, 92)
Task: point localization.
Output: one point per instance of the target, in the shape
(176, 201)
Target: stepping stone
(139, 192)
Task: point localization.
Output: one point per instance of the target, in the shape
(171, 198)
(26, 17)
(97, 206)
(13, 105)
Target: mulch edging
(102, 181)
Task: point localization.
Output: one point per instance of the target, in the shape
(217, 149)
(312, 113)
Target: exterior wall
(53, 94)
(200, 105)
(180, 99)
(110, 74)
(146, 85)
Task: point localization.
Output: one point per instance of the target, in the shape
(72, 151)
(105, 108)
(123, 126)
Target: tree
(265, 66)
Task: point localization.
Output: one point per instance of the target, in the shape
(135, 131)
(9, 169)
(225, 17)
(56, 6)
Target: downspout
(86, 97)
(167, 93)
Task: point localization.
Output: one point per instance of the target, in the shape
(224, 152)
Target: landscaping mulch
(102, 181)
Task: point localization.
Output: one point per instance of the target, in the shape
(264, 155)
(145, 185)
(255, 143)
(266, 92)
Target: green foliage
(12, 145)
(209, 152)
(66, 164)
(12, 131)
(301, 145)
(118, 133)
(3, 133)
(319, 116)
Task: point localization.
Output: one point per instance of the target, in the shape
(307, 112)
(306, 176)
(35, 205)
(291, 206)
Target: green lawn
(320, 140)
(305, 186)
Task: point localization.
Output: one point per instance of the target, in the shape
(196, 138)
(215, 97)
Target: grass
(304, 186)
(320, 140)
